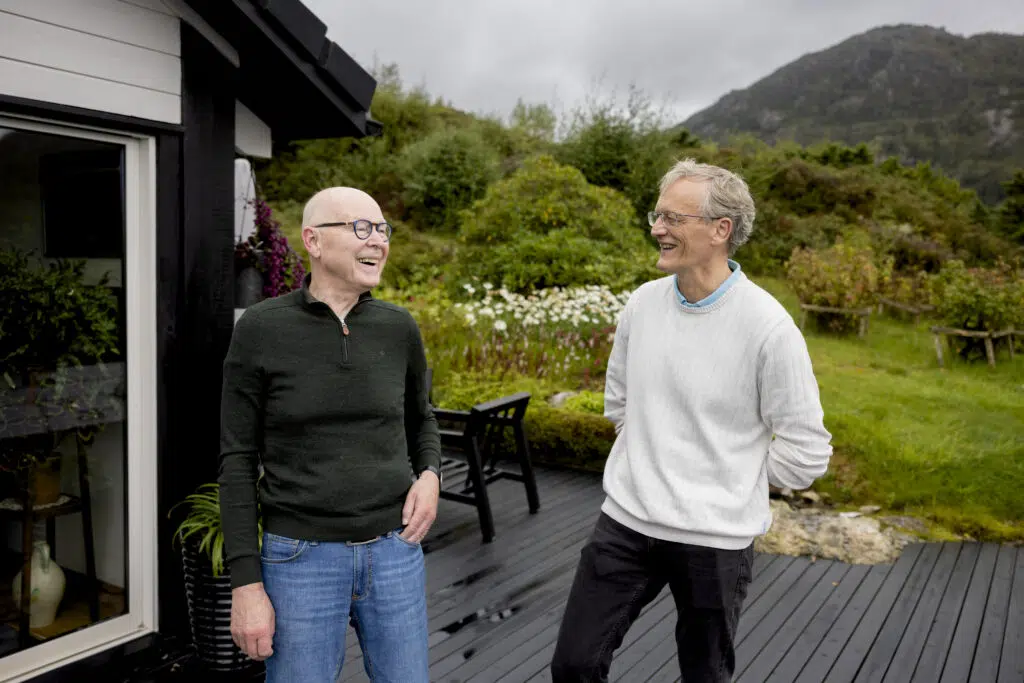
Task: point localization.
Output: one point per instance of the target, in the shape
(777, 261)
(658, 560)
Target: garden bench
(471, 440)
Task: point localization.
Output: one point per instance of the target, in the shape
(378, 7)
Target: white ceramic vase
(47, 587)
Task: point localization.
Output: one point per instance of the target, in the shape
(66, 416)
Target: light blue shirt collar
(713, 297)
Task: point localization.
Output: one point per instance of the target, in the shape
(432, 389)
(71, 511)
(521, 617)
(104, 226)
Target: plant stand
(863, 313)
(28, 512)
(940, 333)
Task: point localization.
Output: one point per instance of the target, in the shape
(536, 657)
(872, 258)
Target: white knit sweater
(696, 395)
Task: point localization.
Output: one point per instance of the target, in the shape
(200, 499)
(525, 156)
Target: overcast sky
(481, 55)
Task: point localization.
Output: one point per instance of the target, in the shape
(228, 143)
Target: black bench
(470, 440)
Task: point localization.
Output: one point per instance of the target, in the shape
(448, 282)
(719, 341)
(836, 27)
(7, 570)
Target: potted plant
(208, 581)
(57, 332)
(265, 264)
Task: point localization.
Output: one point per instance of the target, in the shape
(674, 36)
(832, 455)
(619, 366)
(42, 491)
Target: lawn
(945, 444)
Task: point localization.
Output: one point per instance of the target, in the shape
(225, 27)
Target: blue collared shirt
(711, 298)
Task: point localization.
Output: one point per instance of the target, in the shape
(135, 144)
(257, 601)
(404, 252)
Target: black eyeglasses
(362, 228)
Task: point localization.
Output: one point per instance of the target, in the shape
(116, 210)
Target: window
(77, 405)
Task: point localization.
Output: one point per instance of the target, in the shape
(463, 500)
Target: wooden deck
(941, 613)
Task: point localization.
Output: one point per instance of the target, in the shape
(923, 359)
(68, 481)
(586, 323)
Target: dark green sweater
(336, 411)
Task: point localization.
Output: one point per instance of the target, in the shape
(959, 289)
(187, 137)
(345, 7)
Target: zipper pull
(344, 328)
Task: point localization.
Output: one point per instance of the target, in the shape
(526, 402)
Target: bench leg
(483, 502)
(529, 480)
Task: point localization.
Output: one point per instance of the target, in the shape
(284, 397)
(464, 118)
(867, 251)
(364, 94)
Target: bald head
(340, 204)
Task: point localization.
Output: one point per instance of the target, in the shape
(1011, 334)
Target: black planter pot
(248, 288)
(209, 610)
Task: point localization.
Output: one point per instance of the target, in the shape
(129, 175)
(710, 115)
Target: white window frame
(141, 476)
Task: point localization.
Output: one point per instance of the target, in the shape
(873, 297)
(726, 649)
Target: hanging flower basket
(265, 264)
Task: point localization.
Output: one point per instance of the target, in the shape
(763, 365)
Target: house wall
(116, 56)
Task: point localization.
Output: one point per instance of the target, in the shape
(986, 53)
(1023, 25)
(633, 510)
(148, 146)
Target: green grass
(945, 444)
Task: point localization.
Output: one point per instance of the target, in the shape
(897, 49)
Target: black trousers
(620, 571)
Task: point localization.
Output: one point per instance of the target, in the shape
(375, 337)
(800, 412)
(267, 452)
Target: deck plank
(915, 632)
(1011, 663)
(933, 654)
(985, 668)
(960, 654)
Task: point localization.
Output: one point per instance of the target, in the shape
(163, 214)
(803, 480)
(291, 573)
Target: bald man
(325, 387)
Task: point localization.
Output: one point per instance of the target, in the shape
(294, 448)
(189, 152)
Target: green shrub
(568, 438)
(545, 226)
(416, 258)
(586, 402)
(623, 147)
(842, 276)
(556, 436)
(806, 188)
(777, 234)
(910, 288)
(443, 173)
(990, 299)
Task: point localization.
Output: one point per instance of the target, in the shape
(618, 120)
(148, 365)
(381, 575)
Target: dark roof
(290, 75)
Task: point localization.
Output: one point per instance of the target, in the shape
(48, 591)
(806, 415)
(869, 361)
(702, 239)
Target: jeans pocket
(280, 549)
(397, 534)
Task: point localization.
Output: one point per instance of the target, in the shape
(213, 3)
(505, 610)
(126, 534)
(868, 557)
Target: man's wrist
(430, 468)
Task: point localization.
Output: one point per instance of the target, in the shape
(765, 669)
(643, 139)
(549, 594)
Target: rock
(558, 400)
(849, 515)
(825, 535)
(870, 509)
(810, 497)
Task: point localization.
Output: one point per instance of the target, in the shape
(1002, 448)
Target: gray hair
(726, 196)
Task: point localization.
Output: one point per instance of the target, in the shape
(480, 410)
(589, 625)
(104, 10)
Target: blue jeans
(316, 588)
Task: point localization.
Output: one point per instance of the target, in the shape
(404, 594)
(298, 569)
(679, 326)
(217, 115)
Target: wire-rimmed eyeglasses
(671, 218)
(362, 228)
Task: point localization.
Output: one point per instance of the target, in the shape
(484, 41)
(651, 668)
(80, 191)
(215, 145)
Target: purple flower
(268, 251)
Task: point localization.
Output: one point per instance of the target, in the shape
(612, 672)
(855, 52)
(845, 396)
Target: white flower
(500, 325)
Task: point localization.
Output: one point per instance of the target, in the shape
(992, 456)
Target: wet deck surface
(942, 612)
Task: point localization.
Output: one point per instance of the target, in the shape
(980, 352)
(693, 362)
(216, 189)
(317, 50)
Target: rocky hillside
(919, 93)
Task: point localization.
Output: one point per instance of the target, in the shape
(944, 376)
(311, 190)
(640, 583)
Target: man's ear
(722, 231)
(311, 240)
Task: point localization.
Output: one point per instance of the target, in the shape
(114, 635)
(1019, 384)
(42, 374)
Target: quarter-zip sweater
(337, 413)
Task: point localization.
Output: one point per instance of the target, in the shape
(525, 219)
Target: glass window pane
(62, 386)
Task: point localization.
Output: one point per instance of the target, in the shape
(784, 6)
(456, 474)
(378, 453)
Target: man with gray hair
(713, 396)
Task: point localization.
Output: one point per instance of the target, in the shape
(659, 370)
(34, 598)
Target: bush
(568, 438)
(912, 289)
(843, 276)
(777, 234)
(416, 258)
(806, 188)
(586, 402)
(988, 299)
(443, 173)
(556, 436)
(545, 226)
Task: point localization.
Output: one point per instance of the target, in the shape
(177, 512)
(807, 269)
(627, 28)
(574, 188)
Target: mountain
(918, 93)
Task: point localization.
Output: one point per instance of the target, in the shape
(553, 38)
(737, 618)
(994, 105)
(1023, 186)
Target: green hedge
(562, 437)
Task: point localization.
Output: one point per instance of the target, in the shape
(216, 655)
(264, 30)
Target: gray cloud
(482, 55)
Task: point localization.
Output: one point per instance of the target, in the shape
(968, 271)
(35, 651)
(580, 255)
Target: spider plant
(203, 524)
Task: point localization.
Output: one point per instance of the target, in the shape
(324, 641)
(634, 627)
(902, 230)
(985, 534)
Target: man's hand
(420, 509)
(252, 621)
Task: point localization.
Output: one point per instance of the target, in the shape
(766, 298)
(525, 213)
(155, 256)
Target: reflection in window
(62, 387)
